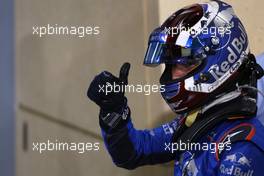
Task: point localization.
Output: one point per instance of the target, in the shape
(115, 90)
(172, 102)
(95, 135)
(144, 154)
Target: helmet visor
(158, 53)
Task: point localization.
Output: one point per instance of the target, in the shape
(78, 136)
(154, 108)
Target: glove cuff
(110, 121)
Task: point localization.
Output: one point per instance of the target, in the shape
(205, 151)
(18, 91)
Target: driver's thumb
(124, 71)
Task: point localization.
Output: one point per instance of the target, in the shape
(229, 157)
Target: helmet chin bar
(246, 77)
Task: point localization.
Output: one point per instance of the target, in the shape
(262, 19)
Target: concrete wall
(53, 73)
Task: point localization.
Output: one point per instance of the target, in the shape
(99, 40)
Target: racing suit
(131, 148)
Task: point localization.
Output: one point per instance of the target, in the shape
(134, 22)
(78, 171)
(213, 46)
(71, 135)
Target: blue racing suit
(130, 148)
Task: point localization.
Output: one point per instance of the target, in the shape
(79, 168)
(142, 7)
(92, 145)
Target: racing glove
(107, 91)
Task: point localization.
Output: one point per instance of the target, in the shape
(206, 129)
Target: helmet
(209, 38)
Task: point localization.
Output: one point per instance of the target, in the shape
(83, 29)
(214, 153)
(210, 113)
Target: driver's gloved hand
(107, 91)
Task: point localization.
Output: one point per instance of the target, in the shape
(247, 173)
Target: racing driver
(214, 85)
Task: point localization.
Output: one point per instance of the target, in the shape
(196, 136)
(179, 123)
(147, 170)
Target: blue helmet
(210, 38)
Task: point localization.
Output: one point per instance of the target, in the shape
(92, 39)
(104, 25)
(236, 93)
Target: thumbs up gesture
(107, 90)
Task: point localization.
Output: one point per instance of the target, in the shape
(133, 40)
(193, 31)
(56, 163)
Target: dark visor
(158, 53)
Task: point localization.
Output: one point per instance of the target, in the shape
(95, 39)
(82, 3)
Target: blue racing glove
(107, 91)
